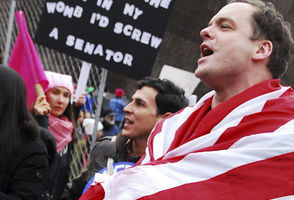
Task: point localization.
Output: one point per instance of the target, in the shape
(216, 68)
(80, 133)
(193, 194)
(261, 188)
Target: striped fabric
(242, 149)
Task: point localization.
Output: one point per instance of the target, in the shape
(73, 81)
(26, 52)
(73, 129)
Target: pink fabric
(62, 129)
(59, 80)
(25, 60)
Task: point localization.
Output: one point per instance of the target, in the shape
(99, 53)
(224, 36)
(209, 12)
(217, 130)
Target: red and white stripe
(247, 152)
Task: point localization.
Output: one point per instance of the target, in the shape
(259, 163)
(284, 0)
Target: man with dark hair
(153, 100)
(237, 141)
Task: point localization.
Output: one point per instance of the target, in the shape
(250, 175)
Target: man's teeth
(207, 51)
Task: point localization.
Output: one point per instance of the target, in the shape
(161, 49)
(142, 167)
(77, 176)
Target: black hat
(107, 112)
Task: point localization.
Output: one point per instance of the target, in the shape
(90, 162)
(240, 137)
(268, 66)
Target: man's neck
(139, 146)
(223, 95)
(226, 88)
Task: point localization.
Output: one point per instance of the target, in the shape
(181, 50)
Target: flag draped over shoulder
(241, 149)
(25, 60)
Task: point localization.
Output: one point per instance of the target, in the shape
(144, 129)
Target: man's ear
(166, 114)
(263, 50)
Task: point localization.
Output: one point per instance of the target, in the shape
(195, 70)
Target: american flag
(241, 149)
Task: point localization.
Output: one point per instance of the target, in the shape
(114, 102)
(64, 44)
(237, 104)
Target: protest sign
(122, 36)
(182, 78)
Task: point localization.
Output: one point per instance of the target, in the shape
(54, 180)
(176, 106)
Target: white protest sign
(83, 79)
(182, 78)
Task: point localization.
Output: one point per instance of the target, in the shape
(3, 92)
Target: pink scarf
(62, 129)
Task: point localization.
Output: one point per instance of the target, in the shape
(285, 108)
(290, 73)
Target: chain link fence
(51, 60)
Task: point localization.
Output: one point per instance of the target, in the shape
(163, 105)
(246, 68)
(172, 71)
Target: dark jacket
(109, 129)
(23, 178)
(52, 157)
(58, 173)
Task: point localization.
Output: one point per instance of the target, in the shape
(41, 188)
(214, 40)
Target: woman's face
(58, 98)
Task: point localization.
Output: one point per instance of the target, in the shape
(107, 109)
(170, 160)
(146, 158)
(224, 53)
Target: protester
(89, 104)
(23, 155)
(108, 121)
(88, 125)
(80, 120)
(153, 100)
(107, 96)
(237, 141)
(55, 112)
(117, 104)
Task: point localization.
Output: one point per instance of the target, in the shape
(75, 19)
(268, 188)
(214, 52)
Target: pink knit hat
(59, 80)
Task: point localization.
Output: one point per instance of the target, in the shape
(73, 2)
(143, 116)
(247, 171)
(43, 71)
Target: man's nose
(206, 33)
(127, 108)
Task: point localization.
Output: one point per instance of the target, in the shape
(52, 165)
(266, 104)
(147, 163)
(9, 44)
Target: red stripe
(189, 128)
(267, 179)
(95, 192)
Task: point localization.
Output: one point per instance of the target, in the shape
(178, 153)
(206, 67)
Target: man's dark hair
(170, 98)
(269, 24)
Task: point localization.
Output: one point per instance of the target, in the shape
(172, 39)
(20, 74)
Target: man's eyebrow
(222, 19)
(138, 99)
(141, 100)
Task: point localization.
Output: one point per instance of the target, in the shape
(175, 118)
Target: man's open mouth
(205, 51)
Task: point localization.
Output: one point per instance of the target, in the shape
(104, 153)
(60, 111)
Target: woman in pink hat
(55, 112)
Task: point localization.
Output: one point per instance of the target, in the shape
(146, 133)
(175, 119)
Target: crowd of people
(235, 143)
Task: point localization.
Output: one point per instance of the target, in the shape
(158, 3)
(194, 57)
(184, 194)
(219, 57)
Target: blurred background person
(117, 104)
(23, 155)
(89, 105)
(108, 122)
(88, 127)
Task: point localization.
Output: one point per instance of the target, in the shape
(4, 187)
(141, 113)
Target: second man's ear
(263, 50)
(166, 114)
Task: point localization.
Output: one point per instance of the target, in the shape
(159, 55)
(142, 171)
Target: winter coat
(52, 157)
(23, 178)
(59, 170)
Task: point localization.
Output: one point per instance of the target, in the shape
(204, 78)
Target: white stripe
(163, 140)
(147, 180)
(291, 197)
